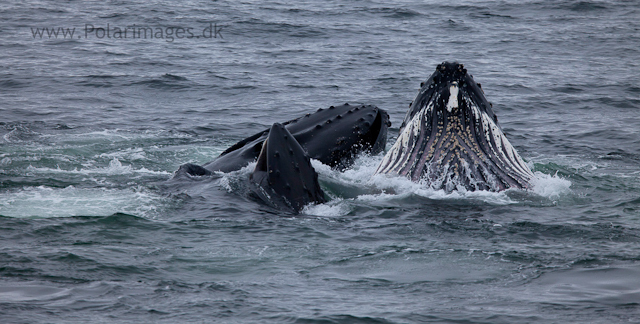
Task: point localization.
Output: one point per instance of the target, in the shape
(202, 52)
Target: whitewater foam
(387, 189)
(115, 167)
(46, 202)
(333, 208)
(550, 186)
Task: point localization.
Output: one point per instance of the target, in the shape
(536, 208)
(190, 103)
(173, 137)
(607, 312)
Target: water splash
(333, 208)
(550, 186)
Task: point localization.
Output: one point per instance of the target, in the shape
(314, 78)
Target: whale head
(450, 138)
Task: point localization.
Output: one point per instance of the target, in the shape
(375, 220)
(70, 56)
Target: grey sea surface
(93, 123)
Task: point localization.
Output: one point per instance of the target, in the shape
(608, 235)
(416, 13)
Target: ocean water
(92, 127)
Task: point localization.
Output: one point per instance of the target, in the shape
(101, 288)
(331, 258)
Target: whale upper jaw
(450, 138)
(333, 136)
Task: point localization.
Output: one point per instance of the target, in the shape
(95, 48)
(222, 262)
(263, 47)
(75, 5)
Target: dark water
(92, 128)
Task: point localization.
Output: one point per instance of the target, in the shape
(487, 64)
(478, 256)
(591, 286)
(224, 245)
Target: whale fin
(283, 176)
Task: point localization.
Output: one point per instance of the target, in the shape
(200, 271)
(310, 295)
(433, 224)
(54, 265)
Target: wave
(46, 202)
(115, 168)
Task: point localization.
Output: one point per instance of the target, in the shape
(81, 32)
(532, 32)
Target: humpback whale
(283, 176)
(450, 138)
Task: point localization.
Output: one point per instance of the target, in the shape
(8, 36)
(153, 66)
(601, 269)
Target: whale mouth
(334, 136)
(450, 139)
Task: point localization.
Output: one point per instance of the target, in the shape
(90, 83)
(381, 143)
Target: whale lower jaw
(451, 140)
(283, 177)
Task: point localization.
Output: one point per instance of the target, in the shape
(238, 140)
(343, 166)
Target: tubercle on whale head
(452, 71)
(445, 73)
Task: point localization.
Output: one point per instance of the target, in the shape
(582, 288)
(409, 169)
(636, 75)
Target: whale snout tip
(450, 66)
(449, 72)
